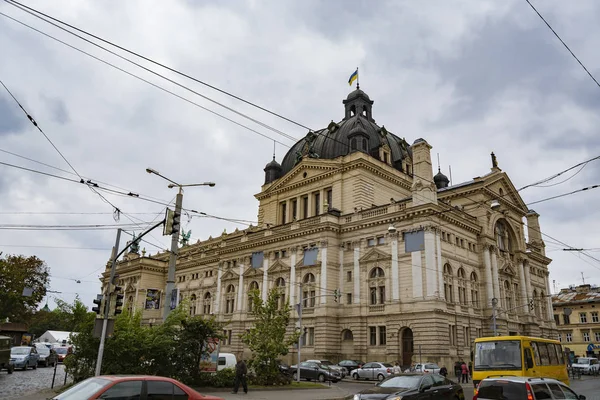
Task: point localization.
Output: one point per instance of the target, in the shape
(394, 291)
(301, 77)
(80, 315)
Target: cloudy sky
(471, 77)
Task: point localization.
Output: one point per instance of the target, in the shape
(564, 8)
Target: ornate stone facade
(354, 204)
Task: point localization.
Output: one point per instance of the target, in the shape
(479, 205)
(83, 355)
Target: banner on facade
(414, 241)
(310, 256)
(257, 259)
(209, 360)
(152, 299)
(174, 299)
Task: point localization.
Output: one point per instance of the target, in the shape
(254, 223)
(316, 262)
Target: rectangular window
(467, 336)
(370, 242)
(311, 336)
(305, 207)
(317, 197)
(381, 294)
(373, 296)
(560, 337)
(595, 316)
(583, 317)
(381, 240)
(329, 198)
(310, 256)
(586, 336)
(348, 298)
(385, 157)
(556, 319)
(294, 210)
(382, 336)
(569, 337)
(349, 276)
(566, 319)
(283, 254)
(283, 208)
(373, 335)
(312, 298)
(597, 336)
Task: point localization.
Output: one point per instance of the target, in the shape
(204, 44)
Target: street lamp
(174, 236)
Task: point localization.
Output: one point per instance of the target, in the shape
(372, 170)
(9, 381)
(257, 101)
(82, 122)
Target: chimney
(423, 189)
(533, 231)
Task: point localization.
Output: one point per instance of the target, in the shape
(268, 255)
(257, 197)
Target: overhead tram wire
(563, 42)
(163, 66)
(147, 81)
(264, 125)
(564, 194)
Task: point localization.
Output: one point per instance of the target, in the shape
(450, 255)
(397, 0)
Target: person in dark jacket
(240, 377)
(444, 372)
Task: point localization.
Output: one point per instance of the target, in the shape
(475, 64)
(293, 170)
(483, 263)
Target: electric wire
(564, 44)
(164, 66)
(146, 81)
(264, 125)
(564, 194)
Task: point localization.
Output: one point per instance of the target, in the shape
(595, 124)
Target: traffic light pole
(113, 268)
(300, 338)
(172, 258)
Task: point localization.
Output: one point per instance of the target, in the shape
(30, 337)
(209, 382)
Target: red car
(139, 387)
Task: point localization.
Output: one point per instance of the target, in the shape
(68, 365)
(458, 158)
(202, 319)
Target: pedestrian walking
(464, 373)
(397, 369)
(240, 376)
(444, 372)
(457, 370)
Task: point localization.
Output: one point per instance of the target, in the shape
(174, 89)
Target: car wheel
(321, 378)
(10, 369)
(380, 377)
(25, 367)
(355, 377)
(46, 364)
(34, 365)
(295, 376)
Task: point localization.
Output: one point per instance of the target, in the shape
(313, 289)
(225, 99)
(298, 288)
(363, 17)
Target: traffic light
(98, 302)
(176, 222)
(118, 300)
(172, 222)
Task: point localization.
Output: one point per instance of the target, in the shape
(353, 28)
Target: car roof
(136, 377)
(519, 379)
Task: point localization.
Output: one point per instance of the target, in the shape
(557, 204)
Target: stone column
(290, 212)
(356, 272)
(488, 275)
(293, 251)
(522, 284)
(528, 282)
(323, 288)
(341, 277)
(240, 297)
(395, 272)
(218, 294)
(440, 266)
(265, 286)
(548, 299)
(417, 274)
(495, 278)
(431, 275)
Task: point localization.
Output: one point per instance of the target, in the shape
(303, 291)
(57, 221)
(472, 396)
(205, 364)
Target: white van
(588, 365)
(226, 360)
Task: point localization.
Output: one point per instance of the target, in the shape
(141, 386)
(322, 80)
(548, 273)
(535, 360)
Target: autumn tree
(267, 338)
(16, 274)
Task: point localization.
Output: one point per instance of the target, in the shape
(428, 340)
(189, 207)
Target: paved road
(22, 383)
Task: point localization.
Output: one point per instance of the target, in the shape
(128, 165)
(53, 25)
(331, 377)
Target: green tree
(65, 317)
(16, 274)
(192, 345)
(267, 338)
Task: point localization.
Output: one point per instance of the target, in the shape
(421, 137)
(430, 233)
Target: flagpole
(357, 78)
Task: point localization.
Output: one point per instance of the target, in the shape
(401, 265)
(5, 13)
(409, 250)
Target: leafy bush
(220, 379)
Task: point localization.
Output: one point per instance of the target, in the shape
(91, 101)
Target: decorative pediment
(130, 288)
(374, 255)
(501, 185)
(278, 266)
(508, 269)
(253, 272)
(297, 175)
(229, 275)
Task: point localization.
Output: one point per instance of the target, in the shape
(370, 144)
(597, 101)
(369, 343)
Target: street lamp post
(174, 237)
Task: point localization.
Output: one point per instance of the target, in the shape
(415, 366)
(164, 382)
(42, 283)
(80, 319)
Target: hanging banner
(174, 299)
(152, 299)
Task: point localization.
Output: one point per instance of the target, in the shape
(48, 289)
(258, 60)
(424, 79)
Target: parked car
(23, 357)
(48, 357)
(431, 368)
(226, 360)
(413, 386)
(373, 370)
(522, 387)
(331, 365)
(588, 365)
(350, 365)
(5, 343)
(315, 371)
(131, 387)
(62, 352)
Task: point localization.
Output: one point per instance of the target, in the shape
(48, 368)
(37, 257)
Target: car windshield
(432, 366)
(401, 381)
(583, 361)
(387, 365)
(19, 350)
(500, 355)
(83, 390)
(43, 350)
(61, 350)
(325, 362)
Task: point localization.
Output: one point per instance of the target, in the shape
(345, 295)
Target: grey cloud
(10, 120)
(58, 110)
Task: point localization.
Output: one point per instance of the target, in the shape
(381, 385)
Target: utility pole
(173, 255)
(299, 309)
(113, 268)
(494, 304)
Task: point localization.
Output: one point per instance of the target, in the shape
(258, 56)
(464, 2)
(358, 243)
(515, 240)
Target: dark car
(283, 367)
(412, 386)
(520, 387)
(315, 371)
(350, 365)
(48, 357)
(131, 387)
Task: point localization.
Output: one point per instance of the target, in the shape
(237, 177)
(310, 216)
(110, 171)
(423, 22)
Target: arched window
(207, 303)
(230, 299)
(474, 290)
(347, 335)
(377, 286)
(130, 304)
(352, 110)
(448, 284)
(308, 291)
(353, 144)
(193, 304)
(365, 144)
(462, 287)
(503, 237)
(280, 285)
(252, 287)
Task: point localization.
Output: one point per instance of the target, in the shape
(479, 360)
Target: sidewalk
(304, 394)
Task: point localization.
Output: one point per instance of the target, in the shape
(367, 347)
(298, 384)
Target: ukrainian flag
(353, 77)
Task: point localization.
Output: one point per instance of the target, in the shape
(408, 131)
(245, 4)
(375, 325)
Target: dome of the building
(356, 132)
(441, 181)
(272, 171)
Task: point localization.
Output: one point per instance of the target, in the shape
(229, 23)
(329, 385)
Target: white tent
(55, 337)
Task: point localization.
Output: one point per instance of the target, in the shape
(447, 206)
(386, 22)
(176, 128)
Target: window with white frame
(462, 286)
(583, 317)
(308, 293)
(230, 300)
(377, 286)
(586, 336)
(595, 316)
(474, 290)
(251, 288)
(448, 281)
(597, 336)
(569, 337)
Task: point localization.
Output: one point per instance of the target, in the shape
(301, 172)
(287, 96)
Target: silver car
(23, 357)
(373, 370)
(332, 366)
